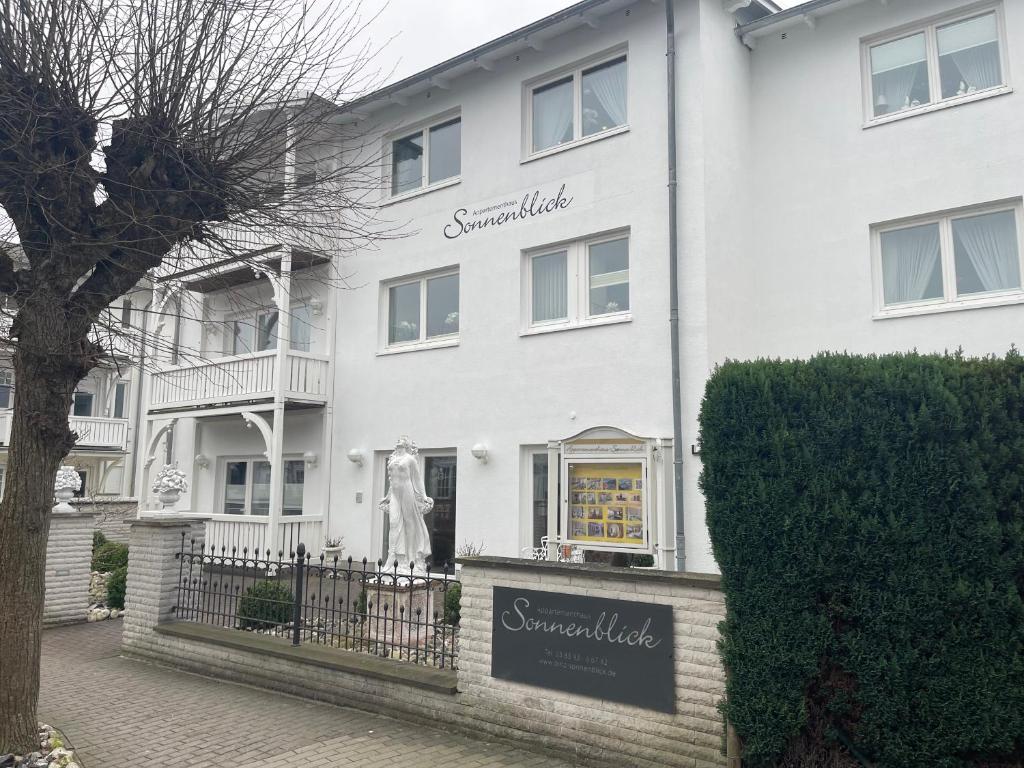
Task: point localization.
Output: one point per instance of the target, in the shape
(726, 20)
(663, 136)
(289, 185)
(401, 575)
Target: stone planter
(169, 498)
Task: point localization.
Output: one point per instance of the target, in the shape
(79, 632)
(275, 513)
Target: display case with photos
(607, 503)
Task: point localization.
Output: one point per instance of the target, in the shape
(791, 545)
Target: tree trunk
(48, 364)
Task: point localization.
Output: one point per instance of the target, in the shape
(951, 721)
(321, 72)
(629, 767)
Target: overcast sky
(427, 32)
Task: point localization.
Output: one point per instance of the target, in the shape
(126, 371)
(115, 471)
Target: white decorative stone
(405, 505)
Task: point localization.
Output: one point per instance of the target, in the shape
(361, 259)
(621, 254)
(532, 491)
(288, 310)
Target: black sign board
(617, 650)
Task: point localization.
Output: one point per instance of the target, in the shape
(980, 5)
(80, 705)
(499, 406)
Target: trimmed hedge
(868, 517)
(116, 587)
(109, 556)
(265, 605)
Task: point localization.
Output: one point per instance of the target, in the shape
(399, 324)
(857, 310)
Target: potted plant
(333, 548)
(169, 485)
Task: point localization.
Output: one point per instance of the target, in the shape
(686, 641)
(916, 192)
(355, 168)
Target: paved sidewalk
(117, 711)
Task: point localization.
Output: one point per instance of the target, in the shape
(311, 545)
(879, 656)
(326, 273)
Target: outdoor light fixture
(356, 456)
(480, 453)
(310, 458)
(316, 306)
(202, 461)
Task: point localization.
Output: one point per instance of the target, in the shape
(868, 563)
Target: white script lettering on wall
(493, 215)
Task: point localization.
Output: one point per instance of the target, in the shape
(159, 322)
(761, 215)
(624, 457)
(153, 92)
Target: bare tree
(130, 131)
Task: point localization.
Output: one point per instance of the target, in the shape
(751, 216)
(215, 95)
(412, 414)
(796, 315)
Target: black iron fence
(379, 608)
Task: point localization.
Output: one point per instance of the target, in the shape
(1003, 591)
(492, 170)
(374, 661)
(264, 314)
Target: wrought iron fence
(369, 607)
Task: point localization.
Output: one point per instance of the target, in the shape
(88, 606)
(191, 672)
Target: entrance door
(439, 479)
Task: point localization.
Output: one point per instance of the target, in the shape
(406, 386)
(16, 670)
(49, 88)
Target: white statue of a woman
(405, 505)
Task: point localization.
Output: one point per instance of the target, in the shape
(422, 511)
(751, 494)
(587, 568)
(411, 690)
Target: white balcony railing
(93, 432)
(241, 378)
(97, 432)
(233, 534)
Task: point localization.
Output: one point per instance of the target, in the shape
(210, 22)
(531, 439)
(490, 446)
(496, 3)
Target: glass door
(439, 479)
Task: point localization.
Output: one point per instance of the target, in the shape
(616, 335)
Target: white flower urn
(65, 484)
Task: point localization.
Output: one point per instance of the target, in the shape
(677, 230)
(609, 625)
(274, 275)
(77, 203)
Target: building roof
(804, 13)
(531, 36)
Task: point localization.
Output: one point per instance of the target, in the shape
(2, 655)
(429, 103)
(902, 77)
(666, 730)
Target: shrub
(116, 586)
(98, 540)
(264, 605)
(453, 604)
(110, 556)
(867, 514)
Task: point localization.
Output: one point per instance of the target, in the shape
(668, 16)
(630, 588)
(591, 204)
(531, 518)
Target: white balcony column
(282, 297)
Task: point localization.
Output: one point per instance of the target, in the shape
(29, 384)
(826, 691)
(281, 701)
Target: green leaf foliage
(867, 516)
(116, 586)
(453, 604)
(266, 604)
(109, 556)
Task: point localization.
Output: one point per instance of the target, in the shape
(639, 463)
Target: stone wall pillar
(68, 557)
(154, 571)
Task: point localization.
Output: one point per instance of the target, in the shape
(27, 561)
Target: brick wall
(112, 516)
(587, 730)
(68, 556)
(595, 728)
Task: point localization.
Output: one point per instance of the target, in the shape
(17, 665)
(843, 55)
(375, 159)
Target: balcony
(93, 432)
(240, 379)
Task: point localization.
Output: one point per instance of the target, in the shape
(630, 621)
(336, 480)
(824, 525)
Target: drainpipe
(673, 289)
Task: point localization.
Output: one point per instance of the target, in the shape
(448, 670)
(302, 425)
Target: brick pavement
(118, 712)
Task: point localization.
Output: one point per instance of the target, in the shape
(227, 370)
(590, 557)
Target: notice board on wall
(619, 650)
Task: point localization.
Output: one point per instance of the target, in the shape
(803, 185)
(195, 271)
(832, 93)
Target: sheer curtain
(609, 87)
(552, 115)
(979, 66)
(909, 259)
(892, 88)
(550, 287)
(990, 242)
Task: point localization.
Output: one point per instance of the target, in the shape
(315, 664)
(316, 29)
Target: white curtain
(979, 66)
(609, 87)
(550, 287)
(552, 115)
(990, 243)
(892, 88)
(909, 258)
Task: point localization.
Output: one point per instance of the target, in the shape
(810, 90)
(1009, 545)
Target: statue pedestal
(400, 610)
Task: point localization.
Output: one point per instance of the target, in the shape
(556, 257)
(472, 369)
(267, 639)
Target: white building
(849, 178)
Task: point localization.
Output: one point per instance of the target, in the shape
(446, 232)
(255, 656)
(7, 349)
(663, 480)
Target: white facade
(786, 184)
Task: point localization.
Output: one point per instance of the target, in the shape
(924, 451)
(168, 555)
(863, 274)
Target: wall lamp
(310, 458)
(480, 453)
(202, 461)
(356, 457)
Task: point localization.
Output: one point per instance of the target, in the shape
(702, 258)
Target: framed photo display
(607, 502)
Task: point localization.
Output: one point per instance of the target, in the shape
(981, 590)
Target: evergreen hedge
(867, 516)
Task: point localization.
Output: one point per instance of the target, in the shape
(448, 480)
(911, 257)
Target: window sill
(418, 346)
(575, 143)
(625, 317)
(924, 109)
(998, 300)
(423, 190)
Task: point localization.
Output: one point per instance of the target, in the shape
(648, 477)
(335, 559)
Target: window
(579, 283)
(6, 387)
(121, 400)
(948, 59)
(82, 491)
(82, 404)
(126, 313)
(574, 106)
(962, 258)
(247, 487)
(423, 310)
(436, 148)
(259, 333)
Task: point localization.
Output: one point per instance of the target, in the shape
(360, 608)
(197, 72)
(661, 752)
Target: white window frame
(254, 315)
(929, 27)
(949, 301)
(422, 128)
(577, 284)
(125, 384)
(222, 464)
(576, 71)
(446, 340)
